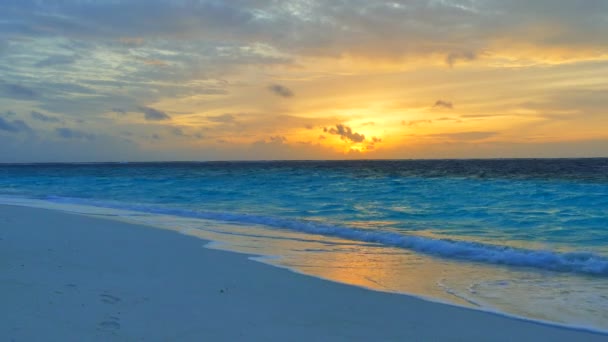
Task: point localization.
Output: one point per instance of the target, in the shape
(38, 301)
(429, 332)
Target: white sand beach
(66, 277)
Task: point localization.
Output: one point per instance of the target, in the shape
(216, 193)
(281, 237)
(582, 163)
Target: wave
(574, 262)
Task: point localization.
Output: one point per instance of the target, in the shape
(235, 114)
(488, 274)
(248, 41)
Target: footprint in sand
(109, 299)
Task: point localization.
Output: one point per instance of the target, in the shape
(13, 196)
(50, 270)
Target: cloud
(152, 114)
(464, 136)
(372, 143)
(156, 62)
(465, 56)
(119, 111)
(178, 132)
(391, 29)
(443, 104)
(56, 60)
(44, 118)
(413, 123)
(279, 139)
(69, 133)
(14, 126)
(223, 118)
(280, 90)
(345, 133)
(131, 41)
(17, 91)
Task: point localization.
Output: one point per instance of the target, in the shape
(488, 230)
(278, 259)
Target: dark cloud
(280, 90)
(62, 88)
(178, 132)
(279, 139)
(223, 118)
(70, 133)
(14, 126)
(272, 144)
(443, 104)
(44, 118)
(17, 92)
(372, 143)
(345, 133)
(454, 57)
(56, 60)
(152, 114)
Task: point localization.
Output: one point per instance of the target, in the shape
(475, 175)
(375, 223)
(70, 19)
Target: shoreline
(69, 276)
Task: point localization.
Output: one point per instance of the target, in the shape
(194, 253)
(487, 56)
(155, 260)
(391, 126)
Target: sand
(66, 277)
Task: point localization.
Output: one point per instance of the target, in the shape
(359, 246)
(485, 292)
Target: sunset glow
(209, 80)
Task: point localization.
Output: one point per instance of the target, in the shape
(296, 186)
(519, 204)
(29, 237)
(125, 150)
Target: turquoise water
(523, 237)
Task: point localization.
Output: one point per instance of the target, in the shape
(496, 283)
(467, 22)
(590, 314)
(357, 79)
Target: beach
(71, 277)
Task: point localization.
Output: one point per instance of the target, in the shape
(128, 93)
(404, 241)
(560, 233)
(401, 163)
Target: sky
(267, 79)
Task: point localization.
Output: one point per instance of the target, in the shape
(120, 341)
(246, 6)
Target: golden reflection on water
(540, 295)
(350, 262)
(557, 297)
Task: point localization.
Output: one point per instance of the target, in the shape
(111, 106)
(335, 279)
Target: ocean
(521, 237)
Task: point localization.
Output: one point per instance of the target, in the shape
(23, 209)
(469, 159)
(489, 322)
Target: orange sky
(211, 80)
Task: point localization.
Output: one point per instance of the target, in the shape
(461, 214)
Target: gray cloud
(443, 104)
(119, 111)
(70, 133)
(17, 91)
(223, 118)
(280, 90)
(177, 131)
(579, 102)
(44, 118)
(56, 60)
(454, 57)
(345, 133)
(152, 114)
(14, 126)
(372, 143)
(393, 28)
(278, 139)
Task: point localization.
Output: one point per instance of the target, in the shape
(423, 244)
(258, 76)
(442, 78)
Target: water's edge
(106, 214)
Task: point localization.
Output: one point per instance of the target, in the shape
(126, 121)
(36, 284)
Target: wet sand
(67, 277)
